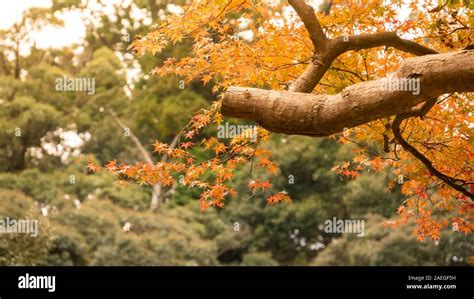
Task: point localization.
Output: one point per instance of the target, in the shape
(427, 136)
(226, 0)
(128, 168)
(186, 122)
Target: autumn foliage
(263, 44)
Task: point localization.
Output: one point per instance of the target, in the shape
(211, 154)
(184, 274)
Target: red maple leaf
(185, 145)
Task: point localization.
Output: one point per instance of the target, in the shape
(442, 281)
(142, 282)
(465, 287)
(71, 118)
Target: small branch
(348, 71)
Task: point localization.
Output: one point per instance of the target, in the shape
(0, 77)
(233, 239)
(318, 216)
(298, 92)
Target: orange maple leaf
(92, 166)
(186, 144)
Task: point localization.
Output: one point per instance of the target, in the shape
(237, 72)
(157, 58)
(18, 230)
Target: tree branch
(323, 115)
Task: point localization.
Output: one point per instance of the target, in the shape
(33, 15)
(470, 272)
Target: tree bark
(323, 115)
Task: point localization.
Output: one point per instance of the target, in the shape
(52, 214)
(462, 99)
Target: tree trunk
(155, 197)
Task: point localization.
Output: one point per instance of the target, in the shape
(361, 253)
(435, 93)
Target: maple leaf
(209, 143)
(92, 166)
(377, 164)
(167, 181)
(111, 166)
(160, 147)
(177, 153)
(279, 197)
(219, 148)
(217, 118)
(186, 145)
(189, 135)
(206, 79)
(204, 205)
(265, 185)
(253, 185)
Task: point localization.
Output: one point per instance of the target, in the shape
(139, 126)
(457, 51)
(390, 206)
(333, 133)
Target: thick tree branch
(311, 23)
(323, 115)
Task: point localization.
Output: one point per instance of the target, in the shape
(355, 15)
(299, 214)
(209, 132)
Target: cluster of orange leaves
(262, 43)
(213, 176)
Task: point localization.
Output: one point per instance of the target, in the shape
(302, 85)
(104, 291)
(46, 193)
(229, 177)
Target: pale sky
(12, 10)
(57, 37)
(74, 29)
